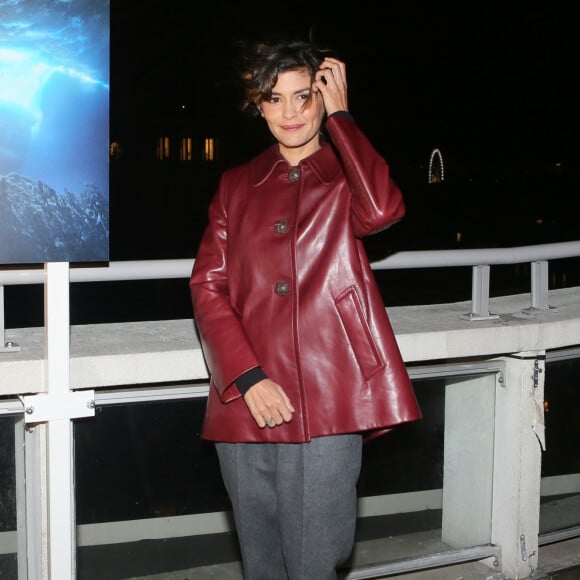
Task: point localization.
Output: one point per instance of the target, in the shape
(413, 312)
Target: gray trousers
(294, 505)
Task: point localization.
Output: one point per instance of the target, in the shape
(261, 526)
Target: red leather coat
(282, 281)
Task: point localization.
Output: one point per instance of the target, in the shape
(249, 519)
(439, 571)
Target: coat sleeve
(227, 351)
(377, 202)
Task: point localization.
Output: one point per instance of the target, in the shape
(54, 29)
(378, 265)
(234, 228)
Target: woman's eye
(274, 99)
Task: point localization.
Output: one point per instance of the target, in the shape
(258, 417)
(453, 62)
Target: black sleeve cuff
(340, 114)
(249, 379)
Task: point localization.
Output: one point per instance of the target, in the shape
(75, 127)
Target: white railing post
(519, 441)
(539, 285)
(61, 520)
(479, 294)
(56, 407)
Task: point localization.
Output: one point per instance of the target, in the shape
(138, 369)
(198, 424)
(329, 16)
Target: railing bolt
(91, 404)
(537, 372)
(29, 410)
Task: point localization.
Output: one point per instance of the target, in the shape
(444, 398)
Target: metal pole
(61, 517)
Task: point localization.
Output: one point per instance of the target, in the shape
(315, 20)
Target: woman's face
(294, 115)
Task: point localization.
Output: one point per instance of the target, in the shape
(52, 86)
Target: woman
(302, 357)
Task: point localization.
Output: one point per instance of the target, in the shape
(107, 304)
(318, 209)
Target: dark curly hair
(263, 61)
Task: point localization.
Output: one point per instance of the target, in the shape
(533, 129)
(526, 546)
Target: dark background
(422, 74)
(491, 85)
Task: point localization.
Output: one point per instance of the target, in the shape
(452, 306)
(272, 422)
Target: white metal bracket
(479, 295)
(540, 289)
(9, 346)
(73, 405)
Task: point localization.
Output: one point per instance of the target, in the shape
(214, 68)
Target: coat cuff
(249, 379)
(340, 114)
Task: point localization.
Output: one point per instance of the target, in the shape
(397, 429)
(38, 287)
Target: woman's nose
(290, 110)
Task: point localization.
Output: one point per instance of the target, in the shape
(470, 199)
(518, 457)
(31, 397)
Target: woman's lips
(291, 127)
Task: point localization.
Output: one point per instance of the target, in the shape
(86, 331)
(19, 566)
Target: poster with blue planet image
(54, 131)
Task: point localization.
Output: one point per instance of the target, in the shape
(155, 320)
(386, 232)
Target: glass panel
(403, 466)
(8, 516)
(560, 502)
(404, 475)
(150, 498)
(146, 466)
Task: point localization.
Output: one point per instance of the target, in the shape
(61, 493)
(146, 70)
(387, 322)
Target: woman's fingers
(268, 404)
(330, 82)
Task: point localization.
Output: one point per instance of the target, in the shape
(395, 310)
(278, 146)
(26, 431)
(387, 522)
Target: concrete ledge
(104, 355)
(438, 331)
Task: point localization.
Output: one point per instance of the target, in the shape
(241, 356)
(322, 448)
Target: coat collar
(324, 164)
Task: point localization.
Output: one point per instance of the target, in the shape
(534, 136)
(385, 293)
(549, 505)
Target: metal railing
(480, 260)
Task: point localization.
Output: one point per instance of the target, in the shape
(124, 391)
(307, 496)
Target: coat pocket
(358, 332)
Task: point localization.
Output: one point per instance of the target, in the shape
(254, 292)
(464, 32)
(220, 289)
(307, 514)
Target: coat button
(294, 174)
(282, 288)
(281, 227)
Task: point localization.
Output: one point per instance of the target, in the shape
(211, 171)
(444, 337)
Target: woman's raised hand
(330, 82)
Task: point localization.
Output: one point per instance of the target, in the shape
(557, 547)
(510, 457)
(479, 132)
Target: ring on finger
(270, 422)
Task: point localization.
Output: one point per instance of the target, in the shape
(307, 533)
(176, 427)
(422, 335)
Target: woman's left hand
(269, 404)
(330, 82)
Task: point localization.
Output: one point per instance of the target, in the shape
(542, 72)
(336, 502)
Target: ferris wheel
(436, 169)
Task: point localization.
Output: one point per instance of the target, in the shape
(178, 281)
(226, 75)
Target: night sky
(491, 85)
(464, 77)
